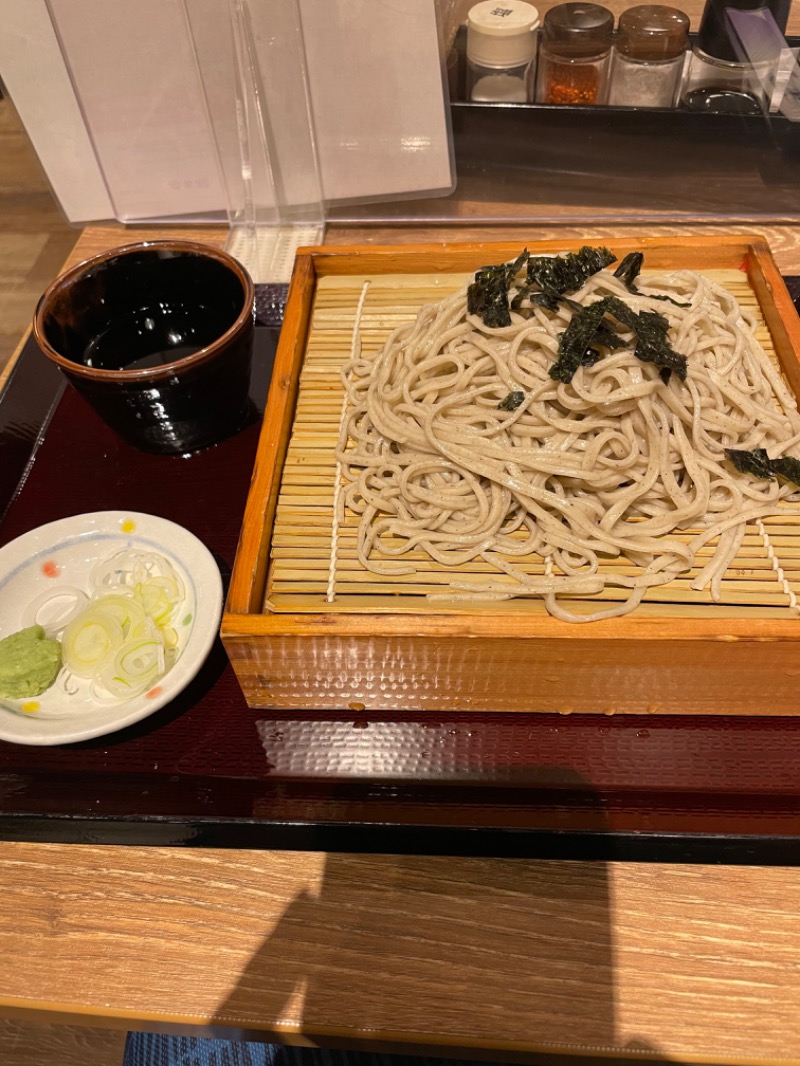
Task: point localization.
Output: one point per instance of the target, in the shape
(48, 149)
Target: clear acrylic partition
(135, 77)
(186, 127)
(261, 113)
(251, 62)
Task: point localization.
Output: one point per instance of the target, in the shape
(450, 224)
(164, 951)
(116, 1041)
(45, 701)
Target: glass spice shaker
(574, 54)
(649, 56)
(718, 79)
(501, 51)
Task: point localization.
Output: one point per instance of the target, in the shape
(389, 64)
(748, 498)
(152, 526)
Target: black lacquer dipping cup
(158, 337)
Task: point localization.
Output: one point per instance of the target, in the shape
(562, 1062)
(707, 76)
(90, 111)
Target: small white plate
(63, 554)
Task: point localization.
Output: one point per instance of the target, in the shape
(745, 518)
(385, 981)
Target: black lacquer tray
(207, 770)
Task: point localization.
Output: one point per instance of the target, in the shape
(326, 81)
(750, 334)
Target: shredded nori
(567, 273)
(576, 339)
(652, 344)
(651, 329)
(487, 296)
(629, 269)
(787, 468)
(607, 338)
(754, 462)
(548, 278)
(512, 401)
(549, 301)
(758, 463)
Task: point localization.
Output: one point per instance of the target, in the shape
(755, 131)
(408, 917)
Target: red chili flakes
(51, 569)
(151, 695)
(570, 84)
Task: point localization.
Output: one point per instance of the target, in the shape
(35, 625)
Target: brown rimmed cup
(158, 337)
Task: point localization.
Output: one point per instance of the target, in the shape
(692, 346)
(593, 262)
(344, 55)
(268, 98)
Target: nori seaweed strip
(758, 463)
(607, 338)
(567, 273)
(754, 462)
(487, 296)
(548, 300)
(652, 345)
(787, 468)
(650, 328)
(554, 276)
(629, 269)
(576, 339)
(512, 401)
(550, 277)
(659, 296)
(624, 314)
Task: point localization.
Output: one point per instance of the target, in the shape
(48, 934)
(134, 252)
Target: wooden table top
(481, 956)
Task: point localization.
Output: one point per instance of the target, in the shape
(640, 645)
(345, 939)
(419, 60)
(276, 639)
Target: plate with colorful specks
(47, 576)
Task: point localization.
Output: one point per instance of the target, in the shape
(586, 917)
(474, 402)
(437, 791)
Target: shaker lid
(502, 33)
(716, 36)
(652, 32)
(578, 30)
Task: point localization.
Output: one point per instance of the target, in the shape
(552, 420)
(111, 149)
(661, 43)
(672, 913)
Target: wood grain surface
(28, 1044)
(783, 238)
(691, 963)
(34, 237)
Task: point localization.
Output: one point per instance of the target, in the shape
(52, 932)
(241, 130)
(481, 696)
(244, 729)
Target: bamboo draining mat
(302, 548)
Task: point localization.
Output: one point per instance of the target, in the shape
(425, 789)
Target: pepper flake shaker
(574, 54)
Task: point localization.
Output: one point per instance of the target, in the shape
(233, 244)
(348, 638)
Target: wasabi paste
(29, 663)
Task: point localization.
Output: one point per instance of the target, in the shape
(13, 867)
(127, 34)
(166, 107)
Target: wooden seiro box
(306, 627)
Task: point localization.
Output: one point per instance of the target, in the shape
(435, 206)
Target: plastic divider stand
(251, 62)
(184, 120)
(261, 113)
(134, 73)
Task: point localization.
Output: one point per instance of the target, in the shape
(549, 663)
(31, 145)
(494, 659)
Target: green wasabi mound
(29, 663)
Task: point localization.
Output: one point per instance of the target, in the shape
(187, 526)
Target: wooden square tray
(291, 646)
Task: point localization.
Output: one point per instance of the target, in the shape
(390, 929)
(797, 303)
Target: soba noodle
(608, 467)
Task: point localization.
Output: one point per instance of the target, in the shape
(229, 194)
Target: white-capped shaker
(501, 51)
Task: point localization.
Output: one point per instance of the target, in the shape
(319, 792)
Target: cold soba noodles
(557, 408)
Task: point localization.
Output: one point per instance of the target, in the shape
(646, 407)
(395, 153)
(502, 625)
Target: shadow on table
(512, 952)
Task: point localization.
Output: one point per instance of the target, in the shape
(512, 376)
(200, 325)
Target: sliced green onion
(128, 611)
(122, 639)
(53, 609)
(91, 640)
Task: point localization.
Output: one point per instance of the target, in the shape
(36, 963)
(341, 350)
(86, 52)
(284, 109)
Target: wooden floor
(34, 237)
